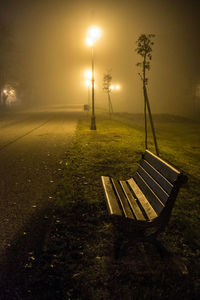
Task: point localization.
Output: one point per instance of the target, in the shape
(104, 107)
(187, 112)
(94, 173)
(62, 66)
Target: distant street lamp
(93, 34)
(114, 87)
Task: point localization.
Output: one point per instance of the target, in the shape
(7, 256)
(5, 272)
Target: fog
(51, 53)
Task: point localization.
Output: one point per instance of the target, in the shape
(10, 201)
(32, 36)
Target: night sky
(49, 38)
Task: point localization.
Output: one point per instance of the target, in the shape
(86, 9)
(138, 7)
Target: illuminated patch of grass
(114, 149)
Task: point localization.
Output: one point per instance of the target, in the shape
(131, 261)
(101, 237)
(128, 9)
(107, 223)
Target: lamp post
(93, 34)
(93, 121)
(88, 83)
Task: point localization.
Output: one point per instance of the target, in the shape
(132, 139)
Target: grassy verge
(78, 260)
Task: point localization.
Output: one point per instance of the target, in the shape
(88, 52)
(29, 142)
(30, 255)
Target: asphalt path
(33, 149)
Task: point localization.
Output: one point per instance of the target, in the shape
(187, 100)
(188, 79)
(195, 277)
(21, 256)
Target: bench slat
(151, 213)
(149, 193)
(158, 190)
(132, 202)
(164, 183)
(113, 205)
(123, 200)
(169, 172)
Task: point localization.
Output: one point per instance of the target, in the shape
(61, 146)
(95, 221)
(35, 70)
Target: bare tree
(144, 48)
(107, 79)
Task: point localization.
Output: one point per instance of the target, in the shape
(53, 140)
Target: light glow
(89, 41)
(114, 87)
(94, 33)
(88, 83)
(88, 74)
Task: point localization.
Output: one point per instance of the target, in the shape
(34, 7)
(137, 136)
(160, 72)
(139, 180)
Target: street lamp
(93, 34)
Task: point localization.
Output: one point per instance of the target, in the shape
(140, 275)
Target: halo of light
(88, 83)
(88, 74)
(94, 33)
(89, 41)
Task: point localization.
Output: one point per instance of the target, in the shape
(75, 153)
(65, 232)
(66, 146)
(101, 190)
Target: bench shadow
(18, 259)
(70, 254)
(146, 270)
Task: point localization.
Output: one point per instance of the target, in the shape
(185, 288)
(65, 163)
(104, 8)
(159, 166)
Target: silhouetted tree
(107, 79)
(144, 48)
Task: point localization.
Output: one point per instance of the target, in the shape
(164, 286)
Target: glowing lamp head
(117, 87)
(111, 87)
(94, 33)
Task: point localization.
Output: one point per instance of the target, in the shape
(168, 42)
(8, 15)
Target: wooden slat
(151, 213)
(162, 181)
(113, 206)
(168, 171)
(149, 193)
(132, 202)
(157, 189)
(123, 200)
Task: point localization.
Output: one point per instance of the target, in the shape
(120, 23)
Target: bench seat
(148, 197)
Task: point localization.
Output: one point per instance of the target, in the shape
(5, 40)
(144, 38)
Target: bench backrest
(159, 181)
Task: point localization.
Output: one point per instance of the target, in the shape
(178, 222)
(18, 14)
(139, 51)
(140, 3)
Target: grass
(78, 258)
(114, 149)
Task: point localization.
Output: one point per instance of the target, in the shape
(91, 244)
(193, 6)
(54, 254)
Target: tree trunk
(145, 123)
(145, 104)
(146, 99)
(110, 108)
(0, 95)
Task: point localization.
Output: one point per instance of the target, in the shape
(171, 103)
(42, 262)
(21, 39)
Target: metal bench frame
(143, 203)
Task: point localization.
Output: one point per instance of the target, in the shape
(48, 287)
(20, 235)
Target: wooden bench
(145, 201)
